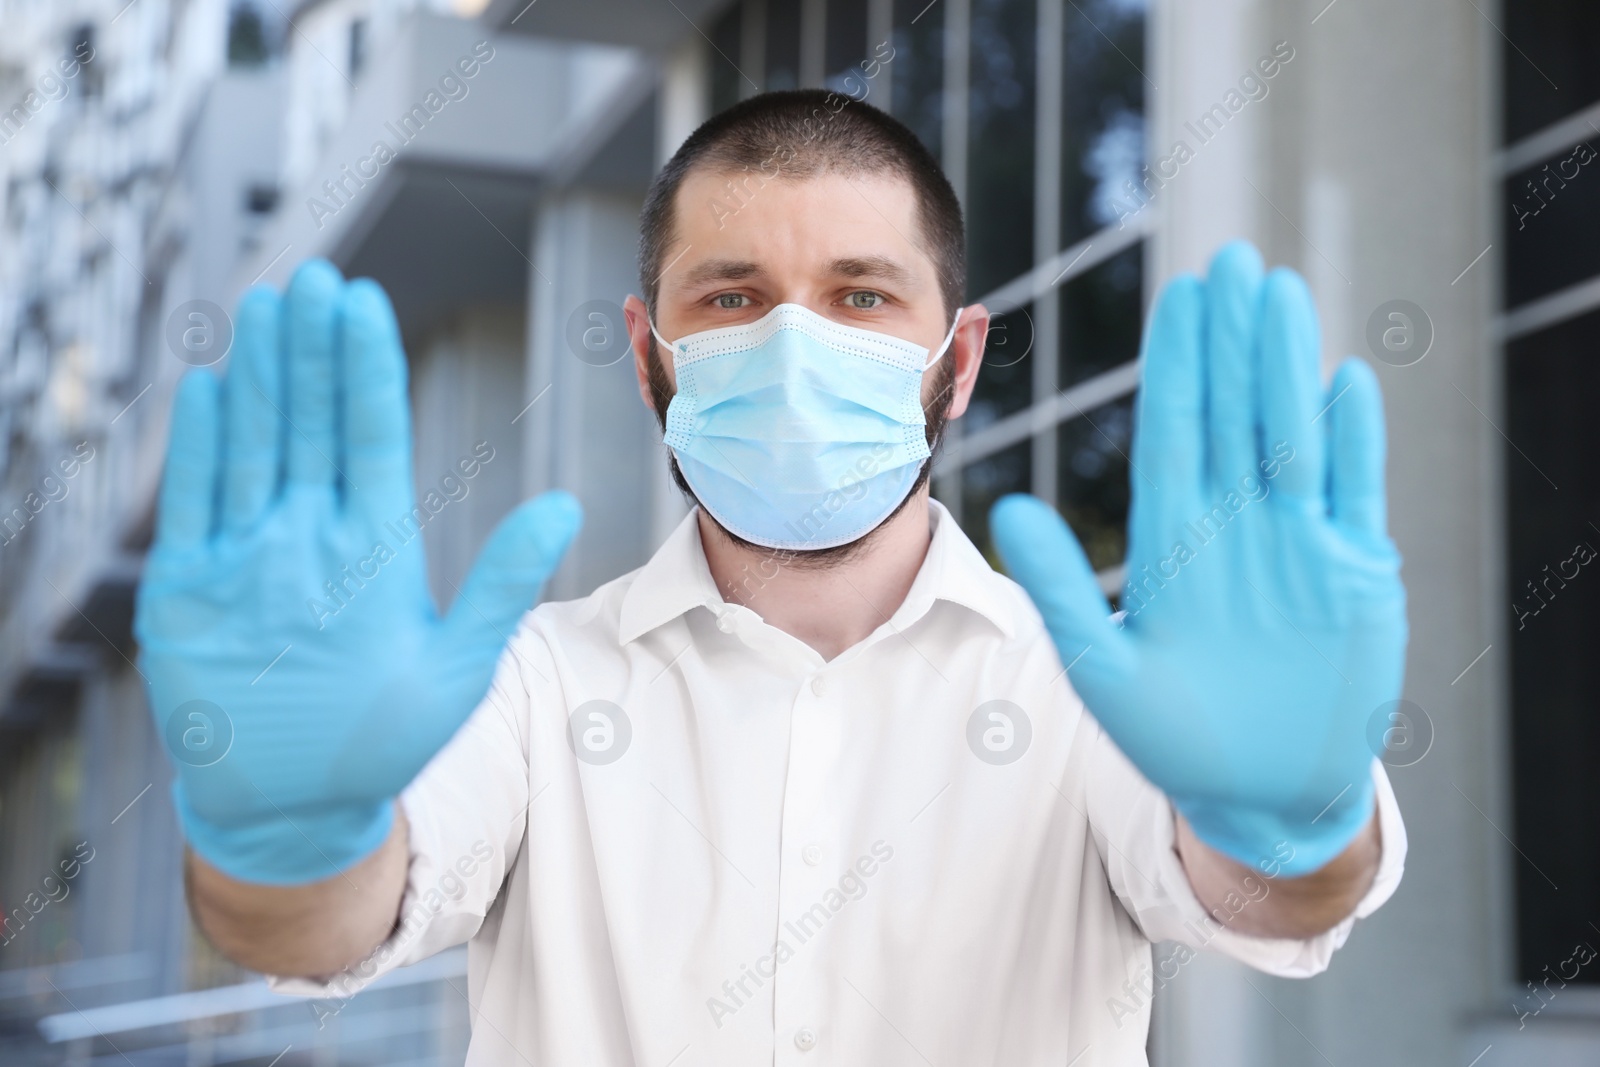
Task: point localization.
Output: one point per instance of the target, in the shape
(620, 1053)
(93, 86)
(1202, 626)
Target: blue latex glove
(292, 729)
(1259, 642)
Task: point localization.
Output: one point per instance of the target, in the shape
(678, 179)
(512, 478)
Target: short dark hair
(799, 134)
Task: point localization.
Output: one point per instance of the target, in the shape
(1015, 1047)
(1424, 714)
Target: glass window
(1101, 316)
(918, 69)
(987, 480)
(1552, 378)
(81, 45)
(1556, 44)
(1092, 471)
(1000, 143)
(726, 81)
(359, 44)
(845, 43)
(247, 38)
(1546, 205)
(783, 44)
(1005, 384)
(1103, 105)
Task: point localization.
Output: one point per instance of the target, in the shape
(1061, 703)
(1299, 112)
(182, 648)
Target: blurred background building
(1431, 161)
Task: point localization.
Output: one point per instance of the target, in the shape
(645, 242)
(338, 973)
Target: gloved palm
(1265, 618)
(296, 709)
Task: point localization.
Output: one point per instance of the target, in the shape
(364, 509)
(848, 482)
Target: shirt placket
(808, 863)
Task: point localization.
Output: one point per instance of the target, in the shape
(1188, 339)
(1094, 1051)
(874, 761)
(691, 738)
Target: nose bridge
(796, 353)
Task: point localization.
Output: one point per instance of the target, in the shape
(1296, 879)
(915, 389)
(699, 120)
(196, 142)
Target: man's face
(846, 248)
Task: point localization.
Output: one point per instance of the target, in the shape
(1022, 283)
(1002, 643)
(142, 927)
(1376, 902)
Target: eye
(864, 299)
(731, 301)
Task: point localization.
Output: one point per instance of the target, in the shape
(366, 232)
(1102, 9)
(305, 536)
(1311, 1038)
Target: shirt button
(725, 623)
(812, 854)
(805, 1039)
(818, 685)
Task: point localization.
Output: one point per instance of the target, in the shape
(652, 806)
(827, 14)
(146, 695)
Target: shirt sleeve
(467, 812)
(1135, 827)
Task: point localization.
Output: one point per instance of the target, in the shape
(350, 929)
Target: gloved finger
(521, 554)
(377, 409)
(310, 335)
(189, 482)
(253, 401)
(1043, 556)
(1358, 446)
(1289, 375)
(1233, 303)
(1169, 438)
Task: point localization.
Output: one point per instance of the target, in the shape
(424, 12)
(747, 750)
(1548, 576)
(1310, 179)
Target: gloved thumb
(520, 555)
(1043, 556)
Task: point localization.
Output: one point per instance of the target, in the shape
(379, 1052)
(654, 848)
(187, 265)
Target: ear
(638, 318)
(966, 348)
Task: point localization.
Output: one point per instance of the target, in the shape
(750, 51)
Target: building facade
(1423, 160)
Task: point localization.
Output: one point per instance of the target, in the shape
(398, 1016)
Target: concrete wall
(588, 431)
(466, 385)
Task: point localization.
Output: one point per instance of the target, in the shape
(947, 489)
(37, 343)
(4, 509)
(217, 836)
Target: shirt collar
(956, 571)
(677, 580)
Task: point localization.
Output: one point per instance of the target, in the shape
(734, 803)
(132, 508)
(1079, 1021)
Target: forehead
(803, 221)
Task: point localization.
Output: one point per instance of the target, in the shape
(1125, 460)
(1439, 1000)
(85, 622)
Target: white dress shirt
(766, 858)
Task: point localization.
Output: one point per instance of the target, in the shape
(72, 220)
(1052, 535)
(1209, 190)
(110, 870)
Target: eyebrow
(726, 270)
(872, 267)
(720, 270)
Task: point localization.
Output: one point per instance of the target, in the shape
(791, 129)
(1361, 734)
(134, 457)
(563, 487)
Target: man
(814, 784)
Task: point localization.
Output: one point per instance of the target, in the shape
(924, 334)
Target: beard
(935, 415)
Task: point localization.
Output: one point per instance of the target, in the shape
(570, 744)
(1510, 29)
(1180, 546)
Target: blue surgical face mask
(796, 432)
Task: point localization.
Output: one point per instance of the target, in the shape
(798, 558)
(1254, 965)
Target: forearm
(1280, 907)
(311, 930)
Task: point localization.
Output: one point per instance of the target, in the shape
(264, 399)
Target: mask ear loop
(668, 345)
(947, 339)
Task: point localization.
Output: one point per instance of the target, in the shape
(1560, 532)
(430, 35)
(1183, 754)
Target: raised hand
(1265, 618)
(293, 726)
